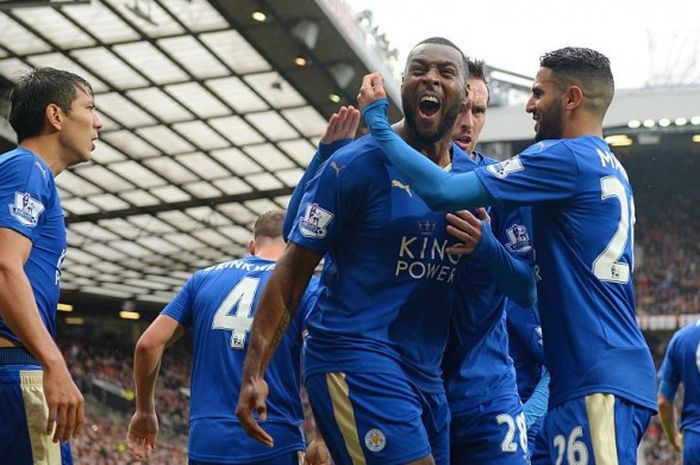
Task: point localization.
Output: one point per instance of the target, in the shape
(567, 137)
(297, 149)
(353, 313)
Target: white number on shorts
(508, 445)
(576, 451)
(606, 266)
(240, 300)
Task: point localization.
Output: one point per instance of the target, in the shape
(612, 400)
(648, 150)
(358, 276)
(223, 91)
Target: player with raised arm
(53, 113)
(219, 304)
(682, 365)
(373, 353)
(602, 389)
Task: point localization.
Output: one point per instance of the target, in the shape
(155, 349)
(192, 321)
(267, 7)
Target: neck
(269, 249)
(438, 152)
(46, 150)
(583, 126)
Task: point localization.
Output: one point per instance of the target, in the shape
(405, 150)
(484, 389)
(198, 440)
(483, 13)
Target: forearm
(439, 189)
(276, 308)
(146, 367)
(667, 418)
(513, 276)
(18, 309)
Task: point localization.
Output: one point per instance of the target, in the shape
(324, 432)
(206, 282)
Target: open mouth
(429, 105)
(463, 141)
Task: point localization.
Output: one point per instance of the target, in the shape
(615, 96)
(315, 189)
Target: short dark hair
(33, 92)
(587, 68)
(477, 70)
(269, 224)
(442, 41)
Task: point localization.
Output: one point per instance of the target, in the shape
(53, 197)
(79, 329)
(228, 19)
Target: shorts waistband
(16, 356)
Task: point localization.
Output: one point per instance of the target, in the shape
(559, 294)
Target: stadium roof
(208, 123)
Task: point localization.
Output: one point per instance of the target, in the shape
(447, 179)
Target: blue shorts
(532, 432)
(24, 413)
(594, 429)
(493, 432)
(288, 458)
(378, 419)
(691, 448)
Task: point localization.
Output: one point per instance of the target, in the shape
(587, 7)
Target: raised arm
(439, 189)
(340, 131)
(276, 308)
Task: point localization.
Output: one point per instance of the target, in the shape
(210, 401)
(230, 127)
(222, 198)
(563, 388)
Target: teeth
(430, 98)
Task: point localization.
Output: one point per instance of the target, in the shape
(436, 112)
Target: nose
(98, 123)
(530, 105)
(432, 77)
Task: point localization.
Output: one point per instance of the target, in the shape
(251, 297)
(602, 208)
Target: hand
(66, 404)
(372, 89)
(252, 398)
(317, 453)
(342, 125)
(467, 228)
(677, 442)
(142, 434)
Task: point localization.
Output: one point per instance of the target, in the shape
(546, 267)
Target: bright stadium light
(664, 122)
(695, 120)
(634, 124)
(335, 98)
(619, 140)
(259, 16)
(696, 138)
(681, 121)
(129, 315)
(649, 123)
(64, 307)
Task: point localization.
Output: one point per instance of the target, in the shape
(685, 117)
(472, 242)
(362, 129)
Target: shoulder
(23, 162)
(359, 152)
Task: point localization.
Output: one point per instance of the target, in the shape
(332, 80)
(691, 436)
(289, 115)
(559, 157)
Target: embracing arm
(276, 308)
(439, 189)
(536, 405)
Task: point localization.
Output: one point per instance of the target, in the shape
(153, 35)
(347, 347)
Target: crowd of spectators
(667, 273)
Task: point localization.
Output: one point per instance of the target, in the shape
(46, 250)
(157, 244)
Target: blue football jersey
(682, 364)
(387, 287)
(29, 205)
(477, 367)
(219, 304)
(525, 346)
(583, 217)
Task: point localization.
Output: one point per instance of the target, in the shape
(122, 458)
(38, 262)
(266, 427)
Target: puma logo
(337, 168)
(400, 185)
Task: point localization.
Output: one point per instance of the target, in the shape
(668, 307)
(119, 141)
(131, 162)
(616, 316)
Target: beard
(444, 128)
(550, 124)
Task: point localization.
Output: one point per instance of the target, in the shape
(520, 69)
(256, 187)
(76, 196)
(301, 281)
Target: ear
(54, 116)
(251, 247)
(574, 97)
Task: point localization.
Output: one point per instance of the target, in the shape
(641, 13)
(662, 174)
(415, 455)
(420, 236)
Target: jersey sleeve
(180, 308)
(332, 200)
(544, 172)
(27, 192)
(669, 371)
(525, 325)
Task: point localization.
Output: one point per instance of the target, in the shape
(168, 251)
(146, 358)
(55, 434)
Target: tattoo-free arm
(665, 396)
(19, 310)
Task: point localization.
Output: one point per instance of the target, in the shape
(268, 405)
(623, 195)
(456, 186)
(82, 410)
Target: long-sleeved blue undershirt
(442, 191)
(514, 277)
(322, 154)
(536, 405)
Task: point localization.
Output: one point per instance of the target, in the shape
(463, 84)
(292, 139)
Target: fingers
(51, 422)
(349, 122)
(252, 428)
(80, 418)
(61, 419)
(483, 215)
